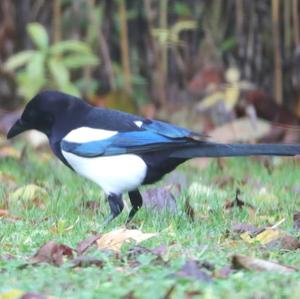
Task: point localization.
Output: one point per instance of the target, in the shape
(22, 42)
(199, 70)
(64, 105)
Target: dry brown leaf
(194, 270)
(52, 253)
(32, 295)
(157, 252)
(255, 264)
(160, 199)
(222, 273)
(192, 294)
(242, 130)
(8, 180)
(269, 236)
(241, 228)
(85, 244)
(285, 242)
(9, 152)
(29, 195)
(86, 261)
(3, 213)
(116, 238)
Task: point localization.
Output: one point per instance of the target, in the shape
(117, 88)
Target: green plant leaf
(59, 72)
(61, 77)
(182, 9)
(74, 61)
(35, 68)
(228, 44)
(71, 89)
(70, 46)
(29, 87)
(38, 35)
(32, 78)
(18, 60)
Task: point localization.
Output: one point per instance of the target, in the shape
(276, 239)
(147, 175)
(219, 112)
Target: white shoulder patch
(139, 123)
(86, 134)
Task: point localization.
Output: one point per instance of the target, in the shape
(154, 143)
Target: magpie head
(41, 113)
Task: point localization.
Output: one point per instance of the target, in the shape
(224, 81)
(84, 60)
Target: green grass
(205, 239)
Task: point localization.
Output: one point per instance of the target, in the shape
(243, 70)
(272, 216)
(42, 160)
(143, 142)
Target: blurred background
(227, 67)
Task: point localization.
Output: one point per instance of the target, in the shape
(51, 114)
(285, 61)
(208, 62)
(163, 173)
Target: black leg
(116, 206)
(136, 201)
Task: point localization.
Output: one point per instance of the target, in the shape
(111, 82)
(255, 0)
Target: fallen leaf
(192, 294)
(241, 130)
(265, 237)
(296, 219)
(29, 195)
(255, 264)
(116, 238)
(222, 273)
(52, 253)
(241, 228)
(11, 294)
(160, 250)
(193, 269)
(3, 213)
(32, 295)
(268, 236)
(85, 244)
(9, 152)
(159, 199)
(285, 242)
(86, 261)
(8, 217)
(137, 250)
(8, 180)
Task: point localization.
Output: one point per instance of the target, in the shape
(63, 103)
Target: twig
(296, 23)
(56, 21)
(124, 46)
(277, 52)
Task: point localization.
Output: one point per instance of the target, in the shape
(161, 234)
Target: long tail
(210, 149)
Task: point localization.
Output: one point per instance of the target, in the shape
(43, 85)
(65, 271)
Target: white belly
(114, 174)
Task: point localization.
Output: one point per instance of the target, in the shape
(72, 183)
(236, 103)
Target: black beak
(19, 127)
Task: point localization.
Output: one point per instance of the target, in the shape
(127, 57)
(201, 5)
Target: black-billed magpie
(121, 151)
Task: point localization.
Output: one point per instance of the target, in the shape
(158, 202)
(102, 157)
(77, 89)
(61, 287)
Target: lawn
(67, 212)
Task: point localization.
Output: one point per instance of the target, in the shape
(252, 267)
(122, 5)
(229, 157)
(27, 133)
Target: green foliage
(171, 36)
(49, 66)
(182, 9)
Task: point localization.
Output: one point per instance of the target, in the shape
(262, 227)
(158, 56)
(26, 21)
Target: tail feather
(210, 149)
